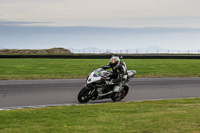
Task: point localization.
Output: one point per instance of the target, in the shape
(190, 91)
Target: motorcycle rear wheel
(118, 96)
(83, 96)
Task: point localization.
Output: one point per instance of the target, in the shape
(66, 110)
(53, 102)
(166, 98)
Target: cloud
(18, 23)
(101, 12)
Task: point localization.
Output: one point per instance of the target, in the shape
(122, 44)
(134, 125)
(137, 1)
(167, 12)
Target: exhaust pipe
(101, 95)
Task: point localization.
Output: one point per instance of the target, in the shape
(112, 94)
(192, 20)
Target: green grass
(165, 116)
(13, 69)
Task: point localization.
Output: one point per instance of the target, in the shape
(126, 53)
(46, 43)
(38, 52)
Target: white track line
(71, 104)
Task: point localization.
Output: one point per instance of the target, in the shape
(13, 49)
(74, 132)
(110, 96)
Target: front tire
(83, 96)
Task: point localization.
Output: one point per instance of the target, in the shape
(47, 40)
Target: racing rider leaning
(119, 69)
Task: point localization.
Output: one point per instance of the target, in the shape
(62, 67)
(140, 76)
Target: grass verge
(14, 69)
(164, 116)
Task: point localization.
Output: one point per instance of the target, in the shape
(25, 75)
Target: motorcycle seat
(131, 73)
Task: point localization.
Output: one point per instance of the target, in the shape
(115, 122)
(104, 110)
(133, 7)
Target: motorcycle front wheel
(84, 95)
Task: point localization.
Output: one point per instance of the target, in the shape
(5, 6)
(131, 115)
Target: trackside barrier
(105, 56)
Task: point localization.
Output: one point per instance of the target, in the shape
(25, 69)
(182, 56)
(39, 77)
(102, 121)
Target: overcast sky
(109, 13)
(126, 14)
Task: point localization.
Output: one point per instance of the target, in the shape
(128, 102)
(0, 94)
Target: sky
(109, 24)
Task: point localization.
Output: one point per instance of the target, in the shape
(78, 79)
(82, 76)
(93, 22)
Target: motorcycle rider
(119, 70)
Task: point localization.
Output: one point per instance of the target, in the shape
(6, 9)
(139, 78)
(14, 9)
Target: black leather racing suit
(119, 70)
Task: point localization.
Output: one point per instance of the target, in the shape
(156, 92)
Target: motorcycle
(99, 80)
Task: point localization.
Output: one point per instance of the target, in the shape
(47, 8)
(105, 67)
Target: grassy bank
(79, 68)
(165, 116)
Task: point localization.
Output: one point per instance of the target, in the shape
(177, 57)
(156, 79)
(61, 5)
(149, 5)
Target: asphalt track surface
(19, 93)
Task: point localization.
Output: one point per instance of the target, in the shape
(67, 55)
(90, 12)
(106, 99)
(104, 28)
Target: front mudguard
(88, 86)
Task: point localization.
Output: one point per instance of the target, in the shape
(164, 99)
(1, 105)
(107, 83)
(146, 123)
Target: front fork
(92, 89)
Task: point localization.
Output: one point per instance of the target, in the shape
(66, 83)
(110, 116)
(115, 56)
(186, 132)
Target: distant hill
(34, 51)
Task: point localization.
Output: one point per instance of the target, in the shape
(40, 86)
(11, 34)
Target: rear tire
(120, 95)
(83, 96)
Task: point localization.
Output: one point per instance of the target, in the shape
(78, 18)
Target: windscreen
(97, 73)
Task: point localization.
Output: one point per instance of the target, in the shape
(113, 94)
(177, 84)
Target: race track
(64, 91)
